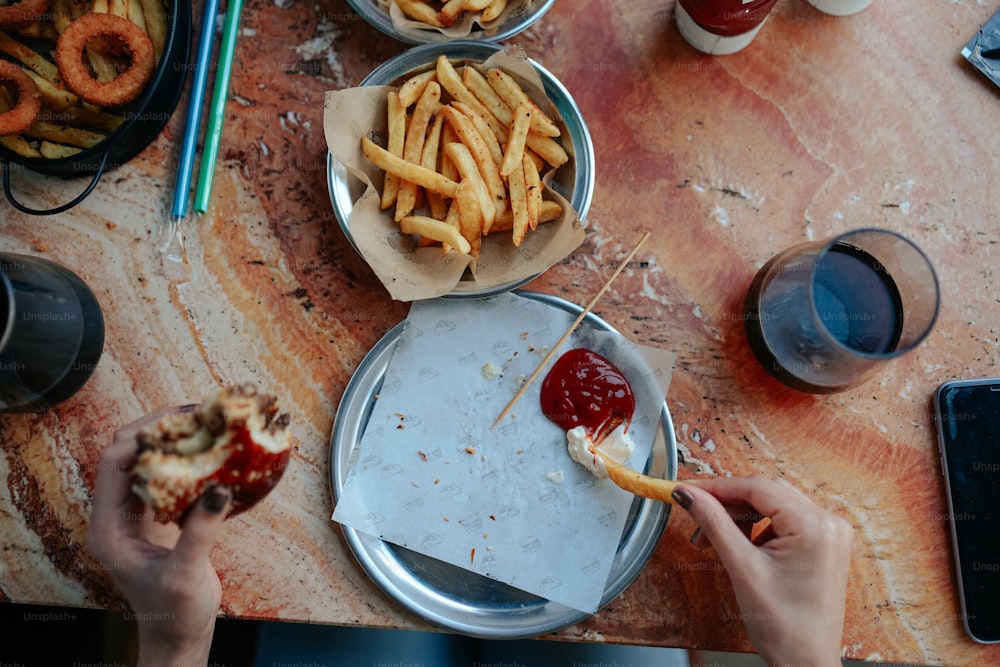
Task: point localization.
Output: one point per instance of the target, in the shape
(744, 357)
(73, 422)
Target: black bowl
(144, 120)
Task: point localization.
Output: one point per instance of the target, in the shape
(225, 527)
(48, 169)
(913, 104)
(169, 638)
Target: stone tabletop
(821, 125)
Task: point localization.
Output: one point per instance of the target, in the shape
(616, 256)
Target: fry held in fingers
(457, 153)
(637, 483)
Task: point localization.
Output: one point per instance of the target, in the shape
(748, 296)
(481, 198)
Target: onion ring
(22, 13)
(123, 88)
(29, 100)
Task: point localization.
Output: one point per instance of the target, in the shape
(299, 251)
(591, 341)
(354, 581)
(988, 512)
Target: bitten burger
(237, 438)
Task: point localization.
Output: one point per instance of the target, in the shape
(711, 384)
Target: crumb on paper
(437, 481)
(524, 335)
(472, 556)
(470, 450)
(491, 371)
(520, 379)
(486, 536)
(422, 455)
(493, 517)
(556, 476)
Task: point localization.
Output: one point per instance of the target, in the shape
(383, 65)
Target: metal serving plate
(459, 600)
(574, 180)
(379, 18)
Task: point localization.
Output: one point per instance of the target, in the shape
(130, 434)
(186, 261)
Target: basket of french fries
(86, 85)
(425, 21)
(461, 169)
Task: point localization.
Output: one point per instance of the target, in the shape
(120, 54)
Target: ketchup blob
(585, 389)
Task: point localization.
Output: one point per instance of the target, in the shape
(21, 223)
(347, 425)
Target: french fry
(419, 11)
(470, 217)
(480, 88)
(518, 205)
(71, 136)
(40, 65)
(135, 15)
(449, 12)
(53, 151)
(118, 8)
(429, 160)
(436, 230)
(514, 149)
(18, 145)
(484, 130)
(62, 14)
(445, 165)
(488, 168)
(386, 161)
(512, 93)
(156, 25)
(39, 30)
(533, 190)
(98, 120)
(475, 5)
(493, 10)
(395, 142)
(636, 482)
(53, 96)
(452, 219)
(547, 148)
(413, 87)
(413, 145)
(450, 80)
(549, 212)
(466, 165)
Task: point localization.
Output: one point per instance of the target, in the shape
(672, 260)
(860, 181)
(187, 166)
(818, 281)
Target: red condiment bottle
(721, 27)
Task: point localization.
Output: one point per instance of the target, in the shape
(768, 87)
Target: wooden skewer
(572, 328)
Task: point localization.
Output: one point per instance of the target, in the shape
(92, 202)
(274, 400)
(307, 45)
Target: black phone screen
(968, 421)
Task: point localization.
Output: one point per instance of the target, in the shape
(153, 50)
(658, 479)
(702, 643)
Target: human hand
(162, 571)
(791, 580)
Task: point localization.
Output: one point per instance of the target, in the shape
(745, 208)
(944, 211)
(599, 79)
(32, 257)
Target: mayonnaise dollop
(618, 446)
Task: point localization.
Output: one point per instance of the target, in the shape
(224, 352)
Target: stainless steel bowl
(378, 17)
(574, 180)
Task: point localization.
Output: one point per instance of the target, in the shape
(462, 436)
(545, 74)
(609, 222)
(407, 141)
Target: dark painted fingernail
(682, 497)
(215, 499)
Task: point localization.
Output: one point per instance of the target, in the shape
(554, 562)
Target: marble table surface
(821, 125)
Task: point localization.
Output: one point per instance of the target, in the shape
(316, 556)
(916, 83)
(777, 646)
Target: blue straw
(193, 123)
(217, 108)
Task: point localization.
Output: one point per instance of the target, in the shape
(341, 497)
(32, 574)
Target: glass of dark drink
(824, 316)
(51, 333)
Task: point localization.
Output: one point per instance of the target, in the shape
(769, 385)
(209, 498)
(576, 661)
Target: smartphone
(967, 415)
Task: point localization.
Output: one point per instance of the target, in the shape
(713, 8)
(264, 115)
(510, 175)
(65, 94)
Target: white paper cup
(840, 7)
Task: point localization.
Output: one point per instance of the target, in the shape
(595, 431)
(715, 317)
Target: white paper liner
(431, 476)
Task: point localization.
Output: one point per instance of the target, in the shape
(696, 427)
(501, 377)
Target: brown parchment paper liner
(462, 28)
(410, 273)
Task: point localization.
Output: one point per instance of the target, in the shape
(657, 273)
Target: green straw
(217, 110)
